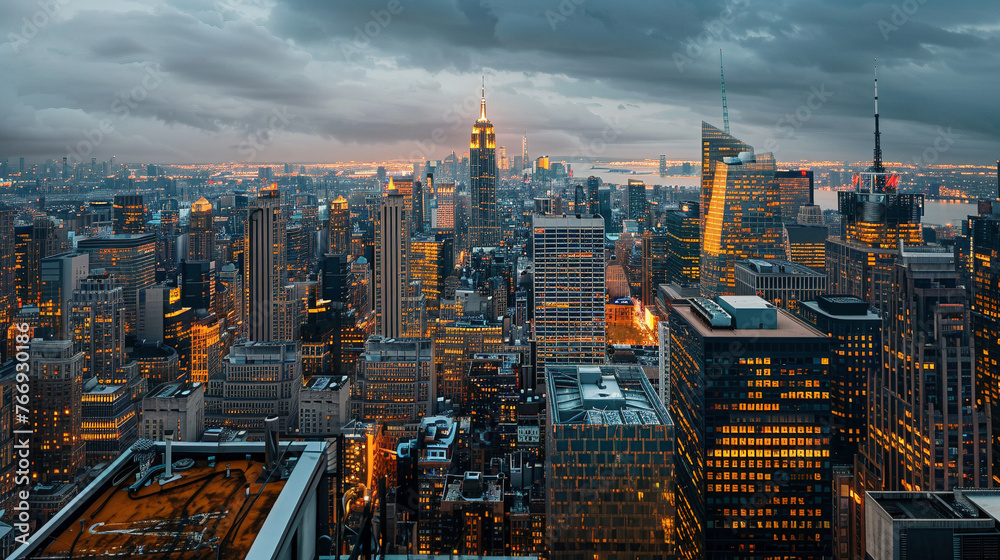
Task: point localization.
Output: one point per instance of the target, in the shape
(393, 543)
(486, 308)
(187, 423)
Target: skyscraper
(655, 262)
(57, 396)
(926, 430)
(265, 265)
(60, 275)
(201, 232)
(609, 465)
(397, 381)
(8, 274)
(796, 188)
(392, 262)
(445, 196)
(340, 227)
(750, 396)
(782, 283)
(418, 206)
(299, 252)
(569, 282)
(856, 334)
(131, 261)
(431, 261)
(129, 214)
(484, 225)
(593, 198)
(259, 379)
(606, 211)
(740, 207)
(684, 245)
(984, 308)
(97, 321)
(636, 201)
(32, 243)
(454, 346)
(876, 219)
(805, 244)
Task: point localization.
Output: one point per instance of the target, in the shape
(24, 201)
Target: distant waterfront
(936, 212)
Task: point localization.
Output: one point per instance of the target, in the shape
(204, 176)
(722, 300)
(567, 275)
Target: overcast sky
(328, 80)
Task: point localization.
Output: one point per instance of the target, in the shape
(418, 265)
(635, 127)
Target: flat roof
(935, 506)
(567, 221)
(323, 383)
(192, 516)
(770, 267)
(788, 326)
(178, 389)
(181, 519)
(987, 500)
(869, 314)
(746, 302)
(102, 390)
(603, 395)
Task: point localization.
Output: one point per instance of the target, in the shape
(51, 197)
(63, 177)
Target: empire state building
(484, 227)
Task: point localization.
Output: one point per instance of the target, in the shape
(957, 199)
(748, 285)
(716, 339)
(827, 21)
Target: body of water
(936, 212)
(644, 174)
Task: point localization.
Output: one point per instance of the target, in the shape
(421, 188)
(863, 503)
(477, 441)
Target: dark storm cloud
(383, 78)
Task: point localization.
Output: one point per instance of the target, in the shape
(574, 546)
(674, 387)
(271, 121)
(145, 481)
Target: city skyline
(298, 81)
(594, 348)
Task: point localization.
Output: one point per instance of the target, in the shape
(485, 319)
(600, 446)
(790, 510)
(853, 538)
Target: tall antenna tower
(725, 107)
(877, 163)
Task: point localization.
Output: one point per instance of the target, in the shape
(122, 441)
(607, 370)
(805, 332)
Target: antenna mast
(877, 163)
(725, 107)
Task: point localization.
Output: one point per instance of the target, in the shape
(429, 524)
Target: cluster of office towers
(799, 366)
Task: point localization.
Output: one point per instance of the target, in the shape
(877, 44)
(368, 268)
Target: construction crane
(725, 107)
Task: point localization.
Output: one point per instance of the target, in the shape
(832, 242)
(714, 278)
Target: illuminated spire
(391, 186)
(482, 102)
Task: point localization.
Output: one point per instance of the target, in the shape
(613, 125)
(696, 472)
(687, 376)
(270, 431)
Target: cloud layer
(313, 80)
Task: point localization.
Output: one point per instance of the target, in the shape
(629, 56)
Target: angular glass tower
(741, 208)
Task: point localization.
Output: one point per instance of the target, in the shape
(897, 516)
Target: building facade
(750, 394)
(609, 465)
(569, 286)
(484, 224)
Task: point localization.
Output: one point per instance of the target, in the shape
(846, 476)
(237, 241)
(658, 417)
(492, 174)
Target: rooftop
(787, 326)
(201, 511)
(177, 390)
(778, 268)
(326, 383)
(798, 233)
(841, 307)
(970, 506)
(473, 487)
(603, 395)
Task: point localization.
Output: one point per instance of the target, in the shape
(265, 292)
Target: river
(936, 212)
